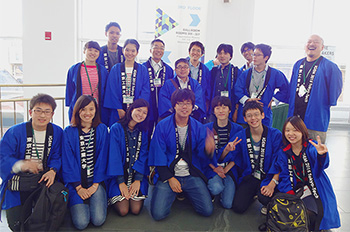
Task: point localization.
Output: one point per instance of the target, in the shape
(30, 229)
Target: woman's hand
(124, 191)
(321, 148)
(134, 188)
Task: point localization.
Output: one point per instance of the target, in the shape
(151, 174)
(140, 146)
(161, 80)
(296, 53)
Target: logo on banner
(164, 23)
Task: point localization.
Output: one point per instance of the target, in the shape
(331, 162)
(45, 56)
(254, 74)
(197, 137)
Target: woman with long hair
(128, 158)
(84, 160)
(302, 166)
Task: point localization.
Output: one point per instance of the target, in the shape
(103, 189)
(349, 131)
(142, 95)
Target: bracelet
(276, 181)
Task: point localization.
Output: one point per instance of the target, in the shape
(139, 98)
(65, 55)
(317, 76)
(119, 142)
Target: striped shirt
(93, 75)
(38, 144)
(89, 139)
(223, 136)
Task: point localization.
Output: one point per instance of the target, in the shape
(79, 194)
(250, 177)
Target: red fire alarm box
(47, 35)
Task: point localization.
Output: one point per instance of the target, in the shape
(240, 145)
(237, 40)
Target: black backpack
(49, 209)
(286, 212)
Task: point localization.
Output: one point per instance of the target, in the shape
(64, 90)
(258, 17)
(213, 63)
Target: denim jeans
(96, 210)
(225, 187)
(195, 190)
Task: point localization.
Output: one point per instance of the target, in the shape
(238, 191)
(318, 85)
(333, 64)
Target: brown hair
(83, 101)
(299, 125)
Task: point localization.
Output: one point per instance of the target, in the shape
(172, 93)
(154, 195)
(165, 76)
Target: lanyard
(309, 70)
(87, 74)
(228, 73)
(257, 87)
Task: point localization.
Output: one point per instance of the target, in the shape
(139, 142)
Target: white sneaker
(263, 210)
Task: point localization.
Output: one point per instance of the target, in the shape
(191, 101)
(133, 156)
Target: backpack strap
(28, 206)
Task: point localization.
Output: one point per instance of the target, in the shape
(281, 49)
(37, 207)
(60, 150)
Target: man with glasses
(29, 147)
(111, 53)
(247, 50)
(259, 84)
(176, 150)
(254, 157)
(182, 80)
(158, 72)
(315, 86)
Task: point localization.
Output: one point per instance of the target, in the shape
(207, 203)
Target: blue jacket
(324, 187)
(117, 159)
(71, 162)
(103, 54)
(114, 98)
(162, 149)
(12, 149)
(74, 90)
(277, 81)
(326, 89)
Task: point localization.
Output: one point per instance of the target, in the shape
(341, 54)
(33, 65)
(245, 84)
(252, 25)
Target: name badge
(257, 175)
(302, 91)
(254, 95)
(128, 99)
(157, 82)
(224, 93)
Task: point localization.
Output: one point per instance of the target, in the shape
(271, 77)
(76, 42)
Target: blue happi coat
(71, 161)
(241, 156)
(318, 165)
(114, 98)
(12, 149)
(277, 81)
(117, 160)
(74, 90)
(162, 150)
(325, 91)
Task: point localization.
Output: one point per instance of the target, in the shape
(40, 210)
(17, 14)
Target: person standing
(127, 82)
(111, 53)
(158, 72)
(247, 50)
(315, 86)
(259, 84)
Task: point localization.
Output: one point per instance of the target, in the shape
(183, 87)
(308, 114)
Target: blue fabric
(169, 74)
(194, 188)
(208, 171)
(100, 59)
(210, 64)
(241, 156)
(205, 83)
(12, 149)
(162, 149)
(114, 98)
(71, 162)
(277, 81)
(117, 159)
(326, 88)
(72, 85)
(95, 211)
(324, 187)
(167, 90)
(225, 187)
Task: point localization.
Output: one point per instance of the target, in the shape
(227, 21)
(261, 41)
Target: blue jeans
(225, 187)
(96, 210)
(195, 190)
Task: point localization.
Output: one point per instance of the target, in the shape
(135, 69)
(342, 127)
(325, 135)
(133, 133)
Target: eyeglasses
(253, 115)
(40, 111)
(158, 48)
(247, 50)
(182, 67)
(182, 104)
(257, 54)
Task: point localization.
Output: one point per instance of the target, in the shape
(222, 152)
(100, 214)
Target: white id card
(307, 192)
(128, 99)
(157, 82)
(302, 91)
(224, 93)
(254, 95)
(257, 175)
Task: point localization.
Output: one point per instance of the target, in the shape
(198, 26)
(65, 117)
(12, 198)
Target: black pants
(244, 196)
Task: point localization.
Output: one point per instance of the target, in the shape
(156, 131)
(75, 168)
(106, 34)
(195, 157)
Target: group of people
(200, 132)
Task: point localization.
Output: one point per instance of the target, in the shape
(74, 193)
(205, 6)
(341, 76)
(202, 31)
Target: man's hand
(175, 185)
(209, 143)
(32, 166)
(49, 177)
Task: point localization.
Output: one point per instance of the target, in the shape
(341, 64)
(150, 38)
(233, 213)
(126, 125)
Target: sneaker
(263, 210)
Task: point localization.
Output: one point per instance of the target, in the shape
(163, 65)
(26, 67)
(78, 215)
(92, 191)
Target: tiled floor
(183, 217)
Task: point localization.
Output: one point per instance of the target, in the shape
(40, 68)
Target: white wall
(47, 62)
(230, 23)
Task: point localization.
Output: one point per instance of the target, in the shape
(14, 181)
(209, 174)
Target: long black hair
(143, 126)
